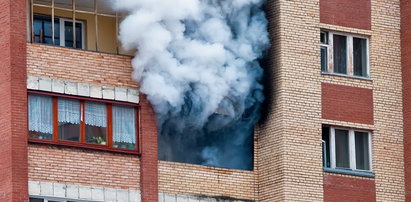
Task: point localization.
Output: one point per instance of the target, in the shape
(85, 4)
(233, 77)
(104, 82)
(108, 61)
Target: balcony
(81, 24)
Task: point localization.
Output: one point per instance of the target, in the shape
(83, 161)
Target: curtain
(96, 114)
(69, 111)
(124, 124)
(40, 113)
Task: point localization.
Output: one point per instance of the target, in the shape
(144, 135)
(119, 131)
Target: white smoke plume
(197, 61)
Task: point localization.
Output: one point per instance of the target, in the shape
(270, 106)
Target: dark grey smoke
(197, 61)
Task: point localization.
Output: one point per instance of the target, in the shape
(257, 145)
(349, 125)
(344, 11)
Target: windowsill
(346, 75)
(89, 146)
(350, 172)
(80, 49)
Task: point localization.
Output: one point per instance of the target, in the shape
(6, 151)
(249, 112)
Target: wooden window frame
(82, 142)
(351, 146)
(350, 53)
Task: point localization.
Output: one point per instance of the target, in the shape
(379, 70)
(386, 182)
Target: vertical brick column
(149, 153)
(13, 101)
(406, 79)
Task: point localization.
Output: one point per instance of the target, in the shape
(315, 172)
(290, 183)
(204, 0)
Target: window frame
(82, 143)
(349, 56)
(351, 146)
(63, 33)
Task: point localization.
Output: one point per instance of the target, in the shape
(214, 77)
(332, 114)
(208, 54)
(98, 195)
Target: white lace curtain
(96, 114)
(69, 111)
(40, 113)
(124, 124)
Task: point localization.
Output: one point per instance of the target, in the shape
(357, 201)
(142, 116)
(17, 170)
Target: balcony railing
(82, 24)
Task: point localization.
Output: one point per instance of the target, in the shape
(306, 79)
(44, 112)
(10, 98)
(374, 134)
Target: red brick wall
(348, 13)
(342, 189)
(406, 79)
(346, 103)
(149, 153)
(83, 167)
(13, 102)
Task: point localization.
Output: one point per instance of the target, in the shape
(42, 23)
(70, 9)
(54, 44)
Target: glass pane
(324, 37)
(43, 2)
(360, 56)
(326, 146)
(124, 127)
(42, 29)
(63, 4)
(324, 59)
(40, 116)
(85, 5)
(361, 151)
(68, 33)
(96, 122)
(340, 54)
(69, 119)
(342, 149)
(105, 7)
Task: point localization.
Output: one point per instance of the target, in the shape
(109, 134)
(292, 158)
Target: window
(324, 51)
(346, 149)
(344, 54)
(78, 122)
(63, 29)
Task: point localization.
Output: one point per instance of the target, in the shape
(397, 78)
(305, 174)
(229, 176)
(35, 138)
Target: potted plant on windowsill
(99, 140)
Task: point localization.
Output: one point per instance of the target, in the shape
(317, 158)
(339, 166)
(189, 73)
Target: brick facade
(13, 102)
(289, 138)
(186, 179)
(88, 67)
(83, 167)
(346, 103)
(347, 13)
(149, 153)
(406, 89)
(299, 100)
(340, 189)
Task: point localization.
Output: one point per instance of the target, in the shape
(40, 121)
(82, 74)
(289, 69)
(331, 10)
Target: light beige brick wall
(385, 70)
(187, 179)
(388, 162)
(289, 160)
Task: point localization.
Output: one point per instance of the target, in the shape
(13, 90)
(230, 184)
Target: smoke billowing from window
(197, 63)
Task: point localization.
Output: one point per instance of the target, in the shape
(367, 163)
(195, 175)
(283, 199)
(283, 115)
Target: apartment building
(335, 124)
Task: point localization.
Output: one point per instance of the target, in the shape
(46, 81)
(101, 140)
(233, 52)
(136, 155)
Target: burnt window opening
(344, 54)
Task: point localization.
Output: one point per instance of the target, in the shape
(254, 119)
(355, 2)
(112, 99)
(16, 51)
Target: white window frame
(63, 33)
(327, 47)
(350, 53)
(351, 146)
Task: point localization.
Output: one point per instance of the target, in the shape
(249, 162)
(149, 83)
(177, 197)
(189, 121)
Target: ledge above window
(350, 172)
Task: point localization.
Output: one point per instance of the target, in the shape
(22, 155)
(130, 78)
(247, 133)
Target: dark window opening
(340, 54)
(360, 56)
